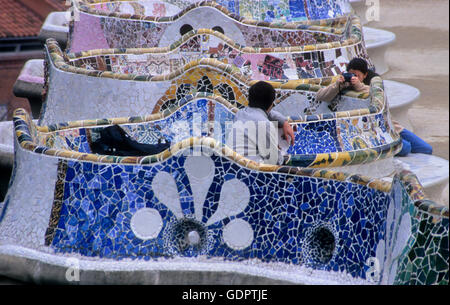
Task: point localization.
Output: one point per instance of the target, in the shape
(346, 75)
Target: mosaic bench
(296, 98)
(431, 171)
(147, 93)
(165, 216)
(257, 63)
(56, 26)
(347, 144)
(6, 143)
(101, 29)
(30, 81)
(334, 142)
(278, 10)
(30, 84)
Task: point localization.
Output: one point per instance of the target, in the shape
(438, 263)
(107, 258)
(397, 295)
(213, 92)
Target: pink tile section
(93, 36)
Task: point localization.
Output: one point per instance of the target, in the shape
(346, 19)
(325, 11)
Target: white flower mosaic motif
(234, 198)
(398, 232)
(146, 223)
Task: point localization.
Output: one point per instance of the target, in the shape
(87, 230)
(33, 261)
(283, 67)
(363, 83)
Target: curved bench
(30, 84)
(400, 98)
(30, 81)
(339, 139)
(165, 10)
(309, 226)
(377, 42)
(275, 64)
(6, 143)
(56, 26)
(287, 91)
(147, 92)
(432, 172)
(100, 28)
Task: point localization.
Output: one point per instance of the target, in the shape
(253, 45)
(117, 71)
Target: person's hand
(288, 132)
(398, 128)
(341, 79)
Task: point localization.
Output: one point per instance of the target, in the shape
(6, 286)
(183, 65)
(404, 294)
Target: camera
(348, 76)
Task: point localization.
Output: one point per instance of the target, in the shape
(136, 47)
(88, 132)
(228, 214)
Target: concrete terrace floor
(420, 57)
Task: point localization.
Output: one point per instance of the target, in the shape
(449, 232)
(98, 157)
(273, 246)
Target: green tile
(431, 277)
(441, 264)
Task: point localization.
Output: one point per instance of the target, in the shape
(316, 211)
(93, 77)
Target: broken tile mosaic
(323, 220)
(221, 205)
(119, 30)
(253, 63)
(99, 201)
(155, 93)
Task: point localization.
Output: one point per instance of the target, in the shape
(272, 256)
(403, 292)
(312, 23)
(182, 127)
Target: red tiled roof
(59, 5)
(16, 20)
(24, 18)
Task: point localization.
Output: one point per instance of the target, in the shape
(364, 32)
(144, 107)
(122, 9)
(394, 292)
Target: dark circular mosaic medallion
(319, 245)
(189, 236)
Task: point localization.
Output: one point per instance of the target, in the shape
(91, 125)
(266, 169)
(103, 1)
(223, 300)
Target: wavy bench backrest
(280, 10)
(257, 63)
(99, 29)
(154, 93)
(321, 140)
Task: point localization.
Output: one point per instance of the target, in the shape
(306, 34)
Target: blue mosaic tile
(317, 137)
(292, 10)
(322, 9)
(281, 213)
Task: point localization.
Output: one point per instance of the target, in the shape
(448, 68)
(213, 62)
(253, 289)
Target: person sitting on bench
(357, 78)
(254, 133)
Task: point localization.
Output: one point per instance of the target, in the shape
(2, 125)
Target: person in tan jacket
(360, 82)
